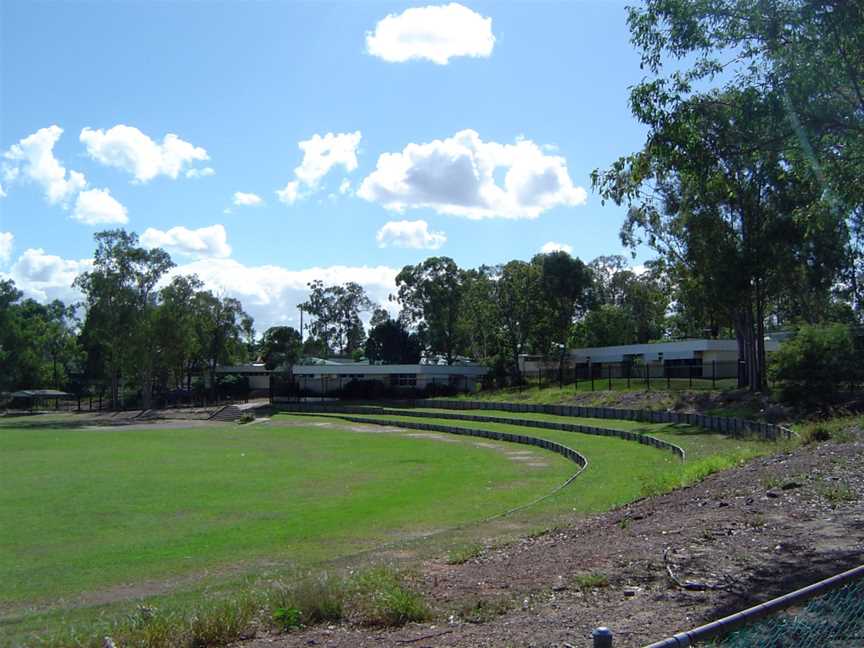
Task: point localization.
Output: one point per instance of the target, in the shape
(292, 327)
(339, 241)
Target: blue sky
(241, 85)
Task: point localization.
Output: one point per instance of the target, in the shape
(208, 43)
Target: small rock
(790, 485)
(772, 495)
(560, 585)
(630, 591)
(723, 504)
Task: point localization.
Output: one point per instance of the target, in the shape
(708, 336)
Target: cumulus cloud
(457, 176)
(2, 193)
(410, 234)
(98, 207)
(271, 293)
(127, 148)
(202, 242)
(242, 199)
(201, 173)
(32, 159)
(552, 246)
(345, 186)
(6, 241)
(45, 277)
(435, 33)
(320, 155)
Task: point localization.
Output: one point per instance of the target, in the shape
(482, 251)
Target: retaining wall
(546, 425)
(724, 424)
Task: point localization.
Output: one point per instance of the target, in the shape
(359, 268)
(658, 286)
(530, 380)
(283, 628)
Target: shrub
(816, 364)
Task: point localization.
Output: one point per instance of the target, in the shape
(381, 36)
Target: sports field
(93, 516)
(86, 509)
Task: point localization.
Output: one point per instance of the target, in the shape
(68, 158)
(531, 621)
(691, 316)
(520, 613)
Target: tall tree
(391, 343)
(280, 347)
(431, 296)
(219, 329)
(719, 164)
(120, 300)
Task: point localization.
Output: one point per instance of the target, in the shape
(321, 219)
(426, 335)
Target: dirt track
(753, 533)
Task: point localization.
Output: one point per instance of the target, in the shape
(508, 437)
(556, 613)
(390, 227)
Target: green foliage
(431, 295)
(485, 610)
(38, 343)
(382, 597)
(816, 364)
(391, 343)
(461, 555)
(280, 347)
(591, 581)
(336, 315)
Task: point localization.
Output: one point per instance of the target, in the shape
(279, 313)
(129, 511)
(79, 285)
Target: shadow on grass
(59, 421)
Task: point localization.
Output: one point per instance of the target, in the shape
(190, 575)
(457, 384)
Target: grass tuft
(591, 581)
(381, 597)
(461, 555)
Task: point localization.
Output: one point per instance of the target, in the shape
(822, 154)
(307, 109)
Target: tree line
(749, 192)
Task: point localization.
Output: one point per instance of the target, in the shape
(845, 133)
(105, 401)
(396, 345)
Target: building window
(403, 380)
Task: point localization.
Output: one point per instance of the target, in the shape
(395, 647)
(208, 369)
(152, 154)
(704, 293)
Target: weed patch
(462, 555)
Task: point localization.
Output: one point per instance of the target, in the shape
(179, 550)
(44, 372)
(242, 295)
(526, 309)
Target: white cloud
(201, 173)
(457, 176)
(127, 148)
(289, 193)
(552, 246)
(32, 159)
(203, 242)
(97, 207)
(345, 186)
(410, 234)
(45, 277)
(2, 193)
(242, 199)
(6, 240)
(435, 33)
(320, 155)
(271, 293)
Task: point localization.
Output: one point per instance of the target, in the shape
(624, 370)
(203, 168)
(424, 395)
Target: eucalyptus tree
(431, 295)
(716, 190)
(120, 302)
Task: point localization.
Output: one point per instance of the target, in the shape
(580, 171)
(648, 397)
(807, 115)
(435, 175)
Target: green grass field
(83, 511)
(92, 519)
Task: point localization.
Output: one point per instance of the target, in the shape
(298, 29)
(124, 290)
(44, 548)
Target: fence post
(540, 377)
(713, 374)
(576, 377)
(647, 376)
(690, 367)
(628, 375)
(591, 371)
(609, 375)
(666, 371)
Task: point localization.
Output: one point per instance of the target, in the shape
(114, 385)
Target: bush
(816, 364)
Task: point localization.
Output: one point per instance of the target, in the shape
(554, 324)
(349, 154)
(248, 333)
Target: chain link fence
(835, 619)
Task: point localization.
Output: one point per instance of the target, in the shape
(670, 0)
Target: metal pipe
(728, 624)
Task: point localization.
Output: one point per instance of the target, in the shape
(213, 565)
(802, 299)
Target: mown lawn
(85, 510)
(696, 442)
(616, 471)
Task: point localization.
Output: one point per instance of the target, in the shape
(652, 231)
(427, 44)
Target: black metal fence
(595, 376)
(303, 387)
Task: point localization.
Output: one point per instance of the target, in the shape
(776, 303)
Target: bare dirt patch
(747, 535)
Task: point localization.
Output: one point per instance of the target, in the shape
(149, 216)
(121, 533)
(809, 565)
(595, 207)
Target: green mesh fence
(832, 620)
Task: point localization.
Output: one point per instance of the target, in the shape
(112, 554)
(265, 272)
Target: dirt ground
(744, 536)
